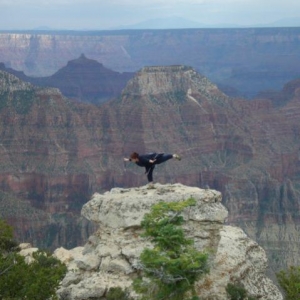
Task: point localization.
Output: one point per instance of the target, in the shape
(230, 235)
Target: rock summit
(110, 258)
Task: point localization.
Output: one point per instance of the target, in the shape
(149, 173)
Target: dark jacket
(144, 162)
(144, 159)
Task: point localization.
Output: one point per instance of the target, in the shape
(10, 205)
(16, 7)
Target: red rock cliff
(55, 153)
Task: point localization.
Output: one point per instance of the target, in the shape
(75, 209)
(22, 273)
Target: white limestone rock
(89, 262)
(69, 257)
(63, 255)
(124, 208)
(27, 251)
(115, 266)
(117, 244)
(23, 246)
(238, 259)
(111, 250)
(89, 288)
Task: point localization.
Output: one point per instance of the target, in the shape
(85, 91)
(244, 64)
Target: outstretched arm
(127, 159)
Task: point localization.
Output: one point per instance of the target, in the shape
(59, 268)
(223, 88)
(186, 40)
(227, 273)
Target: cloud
(116, 2)
(102, 14)
(188, 2)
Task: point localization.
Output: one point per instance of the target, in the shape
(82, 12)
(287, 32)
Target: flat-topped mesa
(155, 80)
(110, 258)
(172, 68)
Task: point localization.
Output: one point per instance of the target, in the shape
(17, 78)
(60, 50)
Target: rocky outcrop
(248, 59)
(26, 250)
(110, 258)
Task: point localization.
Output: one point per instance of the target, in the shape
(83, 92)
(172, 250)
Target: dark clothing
(158, 157)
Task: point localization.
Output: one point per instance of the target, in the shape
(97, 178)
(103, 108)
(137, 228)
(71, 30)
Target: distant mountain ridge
(82, 79)
(242, 60)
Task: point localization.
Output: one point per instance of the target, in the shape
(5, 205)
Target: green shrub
(116, 293)
(6, 237)
(173, 266)
(289, 281)
(237, 292)
(20, 280)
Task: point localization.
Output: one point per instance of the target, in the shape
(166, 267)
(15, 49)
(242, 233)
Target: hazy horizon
(120, 14)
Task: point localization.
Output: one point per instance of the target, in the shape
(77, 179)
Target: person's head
(134, 157)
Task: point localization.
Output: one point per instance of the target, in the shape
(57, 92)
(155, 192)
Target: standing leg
(149, 174)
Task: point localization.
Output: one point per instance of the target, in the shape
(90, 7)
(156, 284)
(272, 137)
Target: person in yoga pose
(150, 160)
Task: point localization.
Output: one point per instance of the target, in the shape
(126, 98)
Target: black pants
(160, 159)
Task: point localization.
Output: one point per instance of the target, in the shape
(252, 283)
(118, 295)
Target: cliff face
(249, 60)
(56, 153)
(44, 181)
(110, 258)
(247, 150)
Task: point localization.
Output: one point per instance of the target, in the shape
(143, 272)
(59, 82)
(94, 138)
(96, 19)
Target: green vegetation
(22, 101)
(116, 293)
(20, 280)
(173, 266)
(178, 96)
(289, 281)
(3, 99)
(237, 292)
(6, 238)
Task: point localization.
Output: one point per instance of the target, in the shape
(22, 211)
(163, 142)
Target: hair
(134, 155)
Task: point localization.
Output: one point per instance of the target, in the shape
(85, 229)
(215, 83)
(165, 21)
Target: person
(150, 160)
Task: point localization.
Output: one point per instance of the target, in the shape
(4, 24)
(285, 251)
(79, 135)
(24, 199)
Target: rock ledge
(110, 258)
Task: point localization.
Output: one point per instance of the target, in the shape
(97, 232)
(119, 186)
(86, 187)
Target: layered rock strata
(110, 258)
(55, 153)
(247, 59)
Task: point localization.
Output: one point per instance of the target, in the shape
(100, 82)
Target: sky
(114, 14)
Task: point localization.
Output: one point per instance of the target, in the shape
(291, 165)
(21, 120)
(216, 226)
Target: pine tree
(173, 266)
(20, 280)
(289, 281)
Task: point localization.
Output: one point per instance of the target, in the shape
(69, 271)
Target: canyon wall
(240, 61)
(55, 153)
